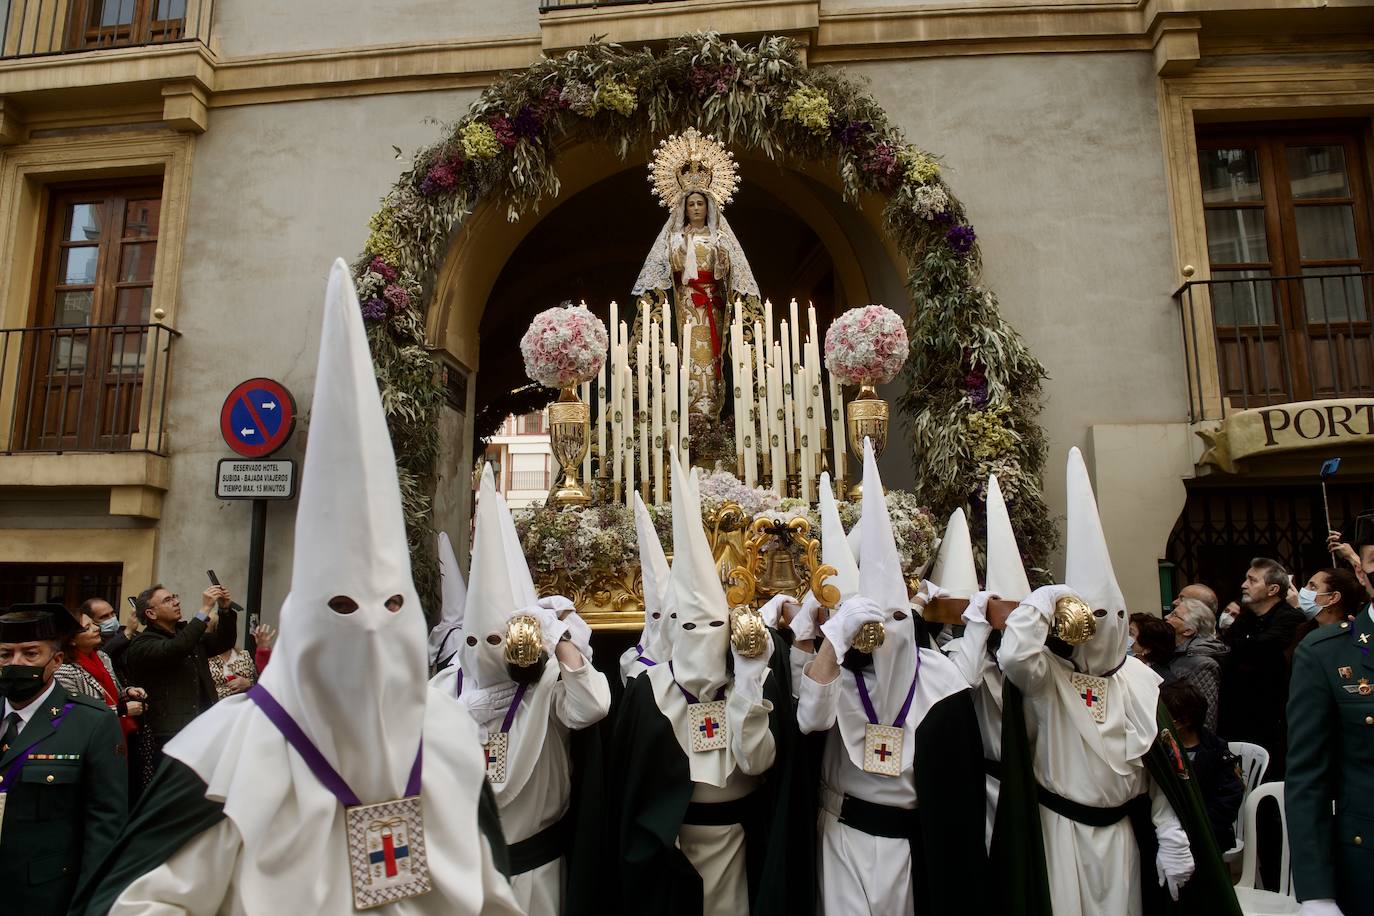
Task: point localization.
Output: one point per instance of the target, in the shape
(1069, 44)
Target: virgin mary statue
(696, 268)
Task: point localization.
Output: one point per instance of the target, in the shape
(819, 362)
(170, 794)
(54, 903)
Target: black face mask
(21, 683)
(530, 674)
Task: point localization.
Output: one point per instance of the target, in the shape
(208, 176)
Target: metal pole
(256, 546)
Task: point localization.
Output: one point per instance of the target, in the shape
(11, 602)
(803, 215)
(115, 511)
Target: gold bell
(869, 638)
(1073, 621)
(524, 641)
(748, 632)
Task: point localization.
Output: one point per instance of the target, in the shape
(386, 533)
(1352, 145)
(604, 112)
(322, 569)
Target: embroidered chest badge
(386, 852)
(495, 751)
(883, 749)
(1346, 672)
(1093, 692)
(706, 722)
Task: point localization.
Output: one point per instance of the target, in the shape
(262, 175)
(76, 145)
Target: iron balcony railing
(91, 388)
(529, 480)
(37, 27)
(546, 6)
(1252, 341)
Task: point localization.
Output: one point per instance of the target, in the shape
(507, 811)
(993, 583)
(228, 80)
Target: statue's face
(696, 209)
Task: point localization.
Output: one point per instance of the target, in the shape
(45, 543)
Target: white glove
(487, 704)
(551, 628)
(772, 611)
(839, 630)
(750, 672)
(977, 610)
(1324, 907)
(928, 592)
(558, 603)
(580, 633)
(1044, 597)
(803, 625)
(1174, 864)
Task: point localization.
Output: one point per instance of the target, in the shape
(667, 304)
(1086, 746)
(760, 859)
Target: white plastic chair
(1254, 760)
(1254, 901)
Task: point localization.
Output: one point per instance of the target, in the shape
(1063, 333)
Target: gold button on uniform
(49, 777)
(1369, 720)
(1359, 840)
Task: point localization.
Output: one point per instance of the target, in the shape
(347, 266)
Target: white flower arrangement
(564, 346)
(866, 346)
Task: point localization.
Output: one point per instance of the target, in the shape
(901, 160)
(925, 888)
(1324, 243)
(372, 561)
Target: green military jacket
(66, 804)
(1331, 759)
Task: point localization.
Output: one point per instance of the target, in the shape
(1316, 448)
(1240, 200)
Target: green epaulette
(1328, 631)
(92, 702)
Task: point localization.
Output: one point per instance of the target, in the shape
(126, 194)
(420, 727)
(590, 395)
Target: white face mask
(1307, 601)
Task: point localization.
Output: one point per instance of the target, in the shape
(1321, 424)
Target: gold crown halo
(688, 162)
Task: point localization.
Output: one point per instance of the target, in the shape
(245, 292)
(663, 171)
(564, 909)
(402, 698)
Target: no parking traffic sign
(257, 418)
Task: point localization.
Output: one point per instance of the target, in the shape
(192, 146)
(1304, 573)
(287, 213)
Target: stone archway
(477, 270)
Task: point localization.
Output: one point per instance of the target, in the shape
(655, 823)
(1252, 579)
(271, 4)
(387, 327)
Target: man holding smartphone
(170, 658)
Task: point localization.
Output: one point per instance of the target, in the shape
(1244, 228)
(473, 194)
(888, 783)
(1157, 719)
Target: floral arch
(972, 388)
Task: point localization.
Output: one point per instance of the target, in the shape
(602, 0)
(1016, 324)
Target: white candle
(627, 406)
(684, 411)
(789, 394)
(586, 391)
(737, 389)
(750, 418)
(811, 318)
(613, 406)
(761, 383)
(768, 327)
(656, 414)
(796, 336)
(817, 401)
(837, 431)
(601, 419)
(642, 446)
(670, 429)
(775, 423)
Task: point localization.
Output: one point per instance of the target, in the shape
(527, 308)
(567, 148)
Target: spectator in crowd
(235, 671)
(1151, 640)
(1197, 653)
(1330, 596)
(1215, 768)
(65, 796)
(170, 658)
(1254, 676)
(114, 638)
(1200, 592)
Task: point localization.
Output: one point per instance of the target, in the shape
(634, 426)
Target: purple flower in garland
(945, 217)
(374, 309)
(961, 239)
(442, 176)
(382, 269)
(504, 130)
(396, 297)
(851, 132)
(526, 124)
(707, 82)
(978, 395)
(552, 100)
(880, 164)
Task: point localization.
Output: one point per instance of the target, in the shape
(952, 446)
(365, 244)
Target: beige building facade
(176, 179)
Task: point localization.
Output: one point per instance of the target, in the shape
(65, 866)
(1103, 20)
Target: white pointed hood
(443, 639)
(955, 570)
(500, 586)
(834, 545)
(881, 581)
(653, 569)
(355, 682)
(1088, 571)
(700, 634)
(1006, 576)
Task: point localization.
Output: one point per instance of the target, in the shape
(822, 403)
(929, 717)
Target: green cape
(1018, 847)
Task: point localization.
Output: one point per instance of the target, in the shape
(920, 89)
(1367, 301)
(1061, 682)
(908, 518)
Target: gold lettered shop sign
(1288, 428)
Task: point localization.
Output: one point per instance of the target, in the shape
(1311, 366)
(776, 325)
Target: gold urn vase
(570, 433)
(867, 417)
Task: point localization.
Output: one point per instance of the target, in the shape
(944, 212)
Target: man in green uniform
(63, 777)
(1331, 760)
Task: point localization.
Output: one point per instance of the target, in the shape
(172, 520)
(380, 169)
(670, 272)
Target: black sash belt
(993, 768)
(879, 820)
(542, 848)
(1090, 815)
(718, 814)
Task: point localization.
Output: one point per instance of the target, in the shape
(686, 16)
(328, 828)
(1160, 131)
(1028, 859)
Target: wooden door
(86, 351)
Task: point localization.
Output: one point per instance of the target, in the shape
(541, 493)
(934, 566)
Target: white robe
(860, 873)
(717, 851)
(301, 866)
(574, 700)
(1092, 870)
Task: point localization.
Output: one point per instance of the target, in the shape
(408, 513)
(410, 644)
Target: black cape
(173, 811)
(650, 774)
(1018, 846)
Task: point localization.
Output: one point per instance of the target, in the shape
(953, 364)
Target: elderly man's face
(1182, 632)
(101, 611)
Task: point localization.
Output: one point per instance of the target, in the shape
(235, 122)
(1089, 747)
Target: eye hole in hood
(342, 604)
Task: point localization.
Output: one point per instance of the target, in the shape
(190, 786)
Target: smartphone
(133, 603)
(214, 579)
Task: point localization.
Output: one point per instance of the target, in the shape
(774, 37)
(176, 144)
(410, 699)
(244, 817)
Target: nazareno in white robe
(538, 789)
(1092, 870)
(717, 851)
(297, 827)
(860, 873)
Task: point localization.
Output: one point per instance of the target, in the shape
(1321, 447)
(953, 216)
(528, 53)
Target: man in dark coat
(1330, 812)
(63, 791)
(170, 658)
